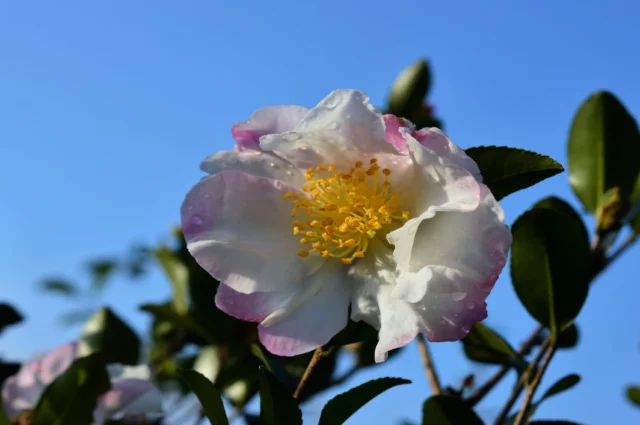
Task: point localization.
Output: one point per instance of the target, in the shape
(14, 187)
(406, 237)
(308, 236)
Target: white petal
(342, 129)
(238, 227)
(255, 163)
(268, 120)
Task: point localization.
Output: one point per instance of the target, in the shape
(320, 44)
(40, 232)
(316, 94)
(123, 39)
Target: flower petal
(342, 129)
(238, 228)
(57, 361)
(254, 307)
(313, 317)
(269, 120)
(255, 163)
(437, 141)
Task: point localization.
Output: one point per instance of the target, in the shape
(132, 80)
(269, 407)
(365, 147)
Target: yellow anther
(351, 243)
(386, 172)
(311, 234)
(344, 210)
(320, 168)
(296, 230)
(288, 195)
(326, 237)
(405, 215)
(303, 253)
(358, 254)
(332, 168)
(373, 160)
(309, 170)
(314, 223)
(325, 253)
(346, 260)
(358, 164)
(305, 240)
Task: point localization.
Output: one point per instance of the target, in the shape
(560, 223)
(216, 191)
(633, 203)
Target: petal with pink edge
(238, 228)
(309, 321)
(342, 129)
(57, 361)
(255, 163)
(269, 120)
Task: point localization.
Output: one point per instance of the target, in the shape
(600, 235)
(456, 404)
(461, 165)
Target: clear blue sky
(107, 108)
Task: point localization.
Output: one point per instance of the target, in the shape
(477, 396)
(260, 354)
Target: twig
(517, 389)
(427, 361)
(318, 355)
(488, 386)
(625, 245)
(531, 390)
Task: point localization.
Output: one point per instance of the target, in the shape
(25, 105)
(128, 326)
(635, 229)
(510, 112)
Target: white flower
(318, 210)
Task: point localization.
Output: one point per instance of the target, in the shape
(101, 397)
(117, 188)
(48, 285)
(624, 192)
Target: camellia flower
(318, 210)
(132, 391)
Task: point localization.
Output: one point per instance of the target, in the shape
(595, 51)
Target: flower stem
(318, 355)
(493, 381)
(427, 361)
(531, 390)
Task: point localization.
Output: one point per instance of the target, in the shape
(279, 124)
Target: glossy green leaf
(277, 405)
(507, 170)
(106, 333)
(485, 346)
(178, 275)
(563, 207)
(633, 394)
(569, 337)
(341, 407)
(209, 397)
(71, 397)
(410, 89)
(447, 410)
(550, 266)
(59, 287)
(603, 149)
(8, 316)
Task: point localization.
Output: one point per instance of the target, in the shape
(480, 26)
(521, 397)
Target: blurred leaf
(409, 89)
(8, 316)
(485, 346)
(8, 369)
(76, 317)
(634, 214)
(356, 332)
(59, 287)
(100, 271)
(164, 312)
(106, 333)
(568, 338)
(208, 362)
(507, 170)
(178, 275)
(277, 405)
(209, 398)
(4, 419)
(71, 397)
(274, 366)
(633, 394)
(603, 149)
(252, 419)
(341, 407)
(447, 410)
(562, 385)
(550, 266)
(238, 378)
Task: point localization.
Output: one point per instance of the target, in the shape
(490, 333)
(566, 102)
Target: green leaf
(277, 405)
(59, 287)
(4, 420)
(71, 397)
(356, 332)
(563, 207)
(447, 410)
(100, 271)
(485, 346)
(164, 312)
(208, 362)
(633, 394)
(507, 170)
(106, 333)
(8, 316)
(634, 214)
(550, 266)
(603, 149)
(409, 89)
(568, 338)
(341, 407)
(209, 398)
(178, 275)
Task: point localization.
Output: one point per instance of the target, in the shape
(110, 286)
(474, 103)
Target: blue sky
(107, 108)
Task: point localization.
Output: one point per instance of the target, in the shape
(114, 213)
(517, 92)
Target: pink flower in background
(132, 390)
(320, 209)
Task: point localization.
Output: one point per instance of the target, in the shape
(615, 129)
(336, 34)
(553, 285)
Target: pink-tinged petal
(255, 163)
(254, 307)
(309, 321)
(20, 392)
(437, 141)
(392, 125)
(269, 120)
(238, 228)
(132, 392)
(342, 129)
(57, 361)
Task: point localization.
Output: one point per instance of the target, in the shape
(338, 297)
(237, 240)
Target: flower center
(341, 212)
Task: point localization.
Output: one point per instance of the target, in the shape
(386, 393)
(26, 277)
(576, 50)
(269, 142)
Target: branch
(493, 381)
(427, 361)
(531, 390)
(318, 355)
(625, 245)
